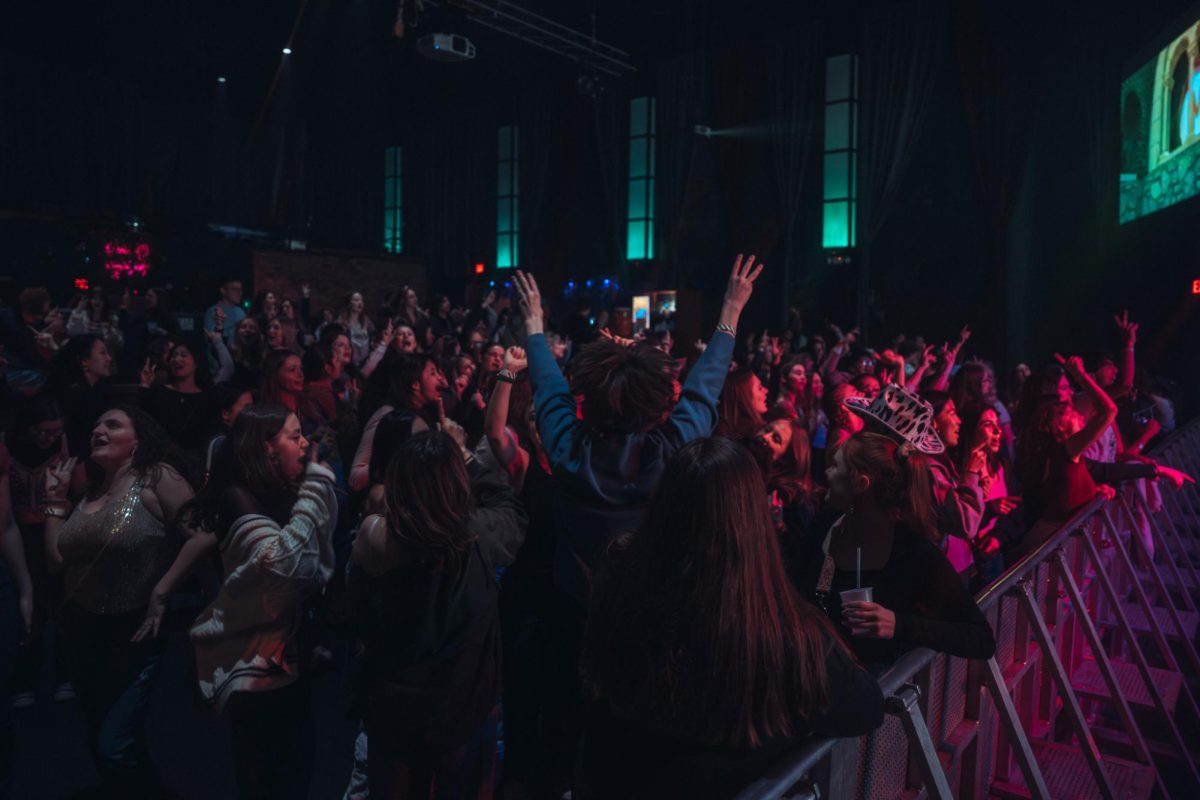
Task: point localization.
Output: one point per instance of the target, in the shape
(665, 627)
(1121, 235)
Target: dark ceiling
(175, 51)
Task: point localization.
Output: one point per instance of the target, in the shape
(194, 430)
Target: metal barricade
(1095, 634)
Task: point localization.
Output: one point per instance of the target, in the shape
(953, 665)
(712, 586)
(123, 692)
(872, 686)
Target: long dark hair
(900, 480)
(155, 449)
(66, 369)
(269, 390)
(971, 416)
(427, 500)
(738, 418)
(693, 624)
(791, 475)
(199, 350)
(243, 462)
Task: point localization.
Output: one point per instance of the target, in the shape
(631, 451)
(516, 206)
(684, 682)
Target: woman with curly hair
(121, 555)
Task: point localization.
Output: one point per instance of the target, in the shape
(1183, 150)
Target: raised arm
(1125, 363)
(225, 366)
(1106, 409)
(913, 383)
(303, 548)
(552, 398)
(695, 414)
(496, 419)
(942, 382)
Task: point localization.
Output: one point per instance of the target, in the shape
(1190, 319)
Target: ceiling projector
(446, 47)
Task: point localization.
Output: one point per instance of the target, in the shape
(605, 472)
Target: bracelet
(506, 376)
(55, 511)
(723, 328)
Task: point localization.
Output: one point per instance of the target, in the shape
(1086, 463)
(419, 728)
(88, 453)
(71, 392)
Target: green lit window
(841, 151)
(508, 194)
(639, 237)
(393, 208)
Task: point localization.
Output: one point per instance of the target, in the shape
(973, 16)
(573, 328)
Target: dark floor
(189, 744)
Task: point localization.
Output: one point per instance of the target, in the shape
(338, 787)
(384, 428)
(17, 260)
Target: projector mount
(526, 26)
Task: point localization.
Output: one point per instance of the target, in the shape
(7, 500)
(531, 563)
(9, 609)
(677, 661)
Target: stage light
(221, 79)
(287, 51)
(508, 284)
(606, 282)
(589, 284)
(570, 284)
(1195, 287)
(491, 283)
(81, 284)
(479, 268)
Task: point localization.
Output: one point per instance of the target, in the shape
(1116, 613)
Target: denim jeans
(114, 680)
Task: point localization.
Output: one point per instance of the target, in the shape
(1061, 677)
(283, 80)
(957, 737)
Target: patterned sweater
(244, 640)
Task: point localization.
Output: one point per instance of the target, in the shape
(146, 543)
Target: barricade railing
(1094, 669)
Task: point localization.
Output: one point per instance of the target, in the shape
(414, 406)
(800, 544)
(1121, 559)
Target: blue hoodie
(608, 478)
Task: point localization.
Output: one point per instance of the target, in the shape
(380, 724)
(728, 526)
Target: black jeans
(47, 591)
(400, 768)
(114, 680)
(272, 740)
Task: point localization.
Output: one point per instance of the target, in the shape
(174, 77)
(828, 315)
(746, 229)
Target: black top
(629, 759)
(82, 405)
(429, 660)
(190, 419)
(918, 584)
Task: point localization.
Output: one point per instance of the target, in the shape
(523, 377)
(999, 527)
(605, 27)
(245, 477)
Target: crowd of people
(648, 572)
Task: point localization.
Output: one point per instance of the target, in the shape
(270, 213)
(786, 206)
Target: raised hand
(389, 333)
(739, 289)
(977, 461)
(531, 303)
(58, 480)
(515, 359)
(1073, 366)
(605, 333)
(1128, 329)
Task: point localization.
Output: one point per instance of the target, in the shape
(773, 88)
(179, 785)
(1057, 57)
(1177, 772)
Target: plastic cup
(852, 595)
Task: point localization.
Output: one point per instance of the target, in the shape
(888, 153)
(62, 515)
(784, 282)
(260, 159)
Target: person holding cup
(876, 570)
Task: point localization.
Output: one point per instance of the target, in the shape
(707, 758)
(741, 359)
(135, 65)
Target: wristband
(723, 328)
(506, 376)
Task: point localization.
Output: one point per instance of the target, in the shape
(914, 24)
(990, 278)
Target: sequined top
(114, 556)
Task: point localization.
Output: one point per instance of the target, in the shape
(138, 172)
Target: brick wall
(333, 274)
